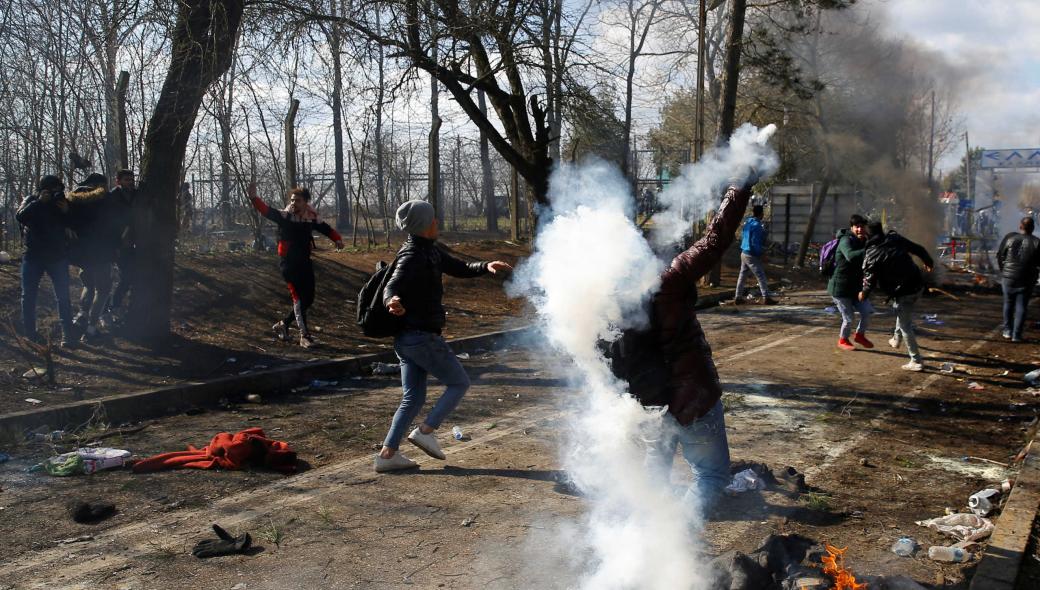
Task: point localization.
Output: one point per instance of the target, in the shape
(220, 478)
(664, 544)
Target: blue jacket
(753, 237)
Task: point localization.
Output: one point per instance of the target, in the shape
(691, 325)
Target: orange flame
(834, 566)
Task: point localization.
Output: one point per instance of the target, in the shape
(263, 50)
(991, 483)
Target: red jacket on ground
(249, 447)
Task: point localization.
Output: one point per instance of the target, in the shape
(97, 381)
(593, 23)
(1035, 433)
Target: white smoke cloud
(591, 275)
(696, 191)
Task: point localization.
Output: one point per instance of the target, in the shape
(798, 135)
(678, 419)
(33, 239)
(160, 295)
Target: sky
(996, 47)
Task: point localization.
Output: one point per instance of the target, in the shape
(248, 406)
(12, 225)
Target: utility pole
(931, 149)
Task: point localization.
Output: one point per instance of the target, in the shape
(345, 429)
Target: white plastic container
(950, 554)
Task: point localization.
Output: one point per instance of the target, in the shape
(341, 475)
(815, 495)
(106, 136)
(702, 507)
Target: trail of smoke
(591, 275)
(695, 192)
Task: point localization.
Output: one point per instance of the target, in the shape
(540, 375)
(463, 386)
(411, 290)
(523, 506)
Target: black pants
(299, 277)
(126, 278)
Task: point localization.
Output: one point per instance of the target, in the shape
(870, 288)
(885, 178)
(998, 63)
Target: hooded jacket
(887, 265)
(1019, 259)
(45, 224)
(847, 280)
(91, 217)
(416, 279)
(753, 237)
(694, 381)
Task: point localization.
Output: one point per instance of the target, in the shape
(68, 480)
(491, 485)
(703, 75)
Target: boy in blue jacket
(752, 244)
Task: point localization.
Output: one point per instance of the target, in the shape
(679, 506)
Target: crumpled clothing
(967, 527)
(745, 481)
(250, 447)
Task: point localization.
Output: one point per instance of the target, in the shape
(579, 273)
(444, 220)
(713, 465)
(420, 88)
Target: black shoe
(770, 301)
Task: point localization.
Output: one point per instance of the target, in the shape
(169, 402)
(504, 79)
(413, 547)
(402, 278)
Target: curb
(1002, 560)
(152, 403)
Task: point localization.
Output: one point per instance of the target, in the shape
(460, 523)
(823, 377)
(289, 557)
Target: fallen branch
(941, 292)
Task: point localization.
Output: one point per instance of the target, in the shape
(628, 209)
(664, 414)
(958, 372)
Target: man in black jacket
(93, 249)
(121, 201)
(414, 292)
(887, 265)
(45, 217)
(1019, 261)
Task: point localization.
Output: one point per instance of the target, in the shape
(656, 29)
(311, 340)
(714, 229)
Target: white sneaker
(396, 463)
(912, 366)
(427, 443)
(894, 342)
(281, 331)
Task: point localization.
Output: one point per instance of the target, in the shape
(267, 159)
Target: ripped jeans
(706, 450)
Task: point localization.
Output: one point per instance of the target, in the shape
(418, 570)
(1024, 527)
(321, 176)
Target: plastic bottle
(904, 547)
(457, 432)
(951, 554)
(981, 503)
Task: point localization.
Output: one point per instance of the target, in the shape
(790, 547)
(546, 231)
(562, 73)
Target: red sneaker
(844, 344)
(860, 339)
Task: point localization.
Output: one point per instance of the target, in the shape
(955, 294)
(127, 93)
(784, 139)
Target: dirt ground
(880, 448)
(224, 306)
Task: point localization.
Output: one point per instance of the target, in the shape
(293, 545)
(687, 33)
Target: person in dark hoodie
(92, 250)
(296, 226)
(847, 281)
(121, 201)
(888, 266)
(1019, 259)
(414, 293)
(695, 420)
(45, 217)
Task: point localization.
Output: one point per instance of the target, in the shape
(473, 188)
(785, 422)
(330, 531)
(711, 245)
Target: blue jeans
(32, 272)
(847, 307)
(423, 354)
(753, 265)
(706, 450)
(1016, 300)
(904, 308)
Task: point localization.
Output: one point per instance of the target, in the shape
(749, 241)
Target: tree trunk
(202, 45)
(487, 189)
(290, 144)
(728, 100)
(731, 72)
(342, 199)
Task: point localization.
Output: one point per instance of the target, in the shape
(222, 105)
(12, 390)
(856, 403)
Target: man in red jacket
(695, 418)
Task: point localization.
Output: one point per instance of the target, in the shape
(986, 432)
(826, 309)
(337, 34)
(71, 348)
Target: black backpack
(372, 315)
(636, 357)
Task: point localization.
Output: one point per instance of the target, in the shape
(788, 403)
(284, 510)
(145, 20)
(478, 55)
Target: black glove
(91, 512)
(224, 545)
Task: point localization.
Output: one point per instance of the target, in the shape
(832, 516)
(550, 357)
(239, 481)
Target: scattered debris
(224, 544)
(5, 257)
(904, 547)
(830, 309)
(948, 554)
(33, 373)
(254, 398)
(385, 368)
(975, 386)
(983, 502)
(1032, 377)
(947, 368)
(318, 383)
(967, 527)
(463, 355)
(470, 520)
(231, 360)
(458, 434)
(79, 539)
(91, 512)
(745, 481)
(33, 400)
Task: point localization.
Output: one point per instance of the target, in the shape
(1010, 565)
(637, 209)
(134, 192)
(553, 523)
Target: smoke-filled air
(591, 275)
(696, 191)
